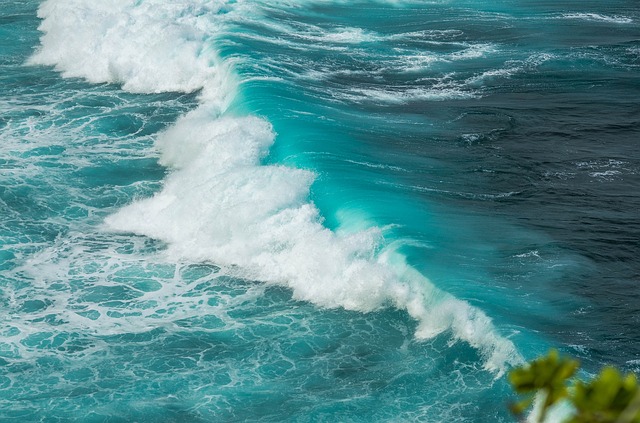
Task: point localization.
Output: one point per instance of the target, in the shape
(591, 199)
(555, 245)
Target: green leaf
(519, 407)
(548, 374)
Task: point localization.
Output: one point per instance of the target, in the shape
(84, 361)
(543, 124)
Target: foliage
(609, 397)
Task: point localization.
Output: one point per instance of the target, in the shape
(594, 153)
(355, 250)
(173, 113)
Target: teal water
(314, 210)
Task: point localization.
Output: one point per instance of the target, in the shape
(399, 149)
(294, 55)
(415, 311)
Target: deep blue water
(312, 210)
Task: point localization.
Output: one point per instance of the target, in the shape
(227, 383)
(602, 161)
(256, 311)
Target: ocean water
(312, 210)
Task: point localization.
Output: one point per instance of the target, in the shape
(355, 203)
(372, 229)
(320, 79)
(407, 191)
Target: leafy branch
(609, 397)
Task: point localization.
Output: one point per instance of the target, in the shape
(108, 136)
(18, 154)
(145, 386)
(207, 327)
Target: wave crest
(219, 203)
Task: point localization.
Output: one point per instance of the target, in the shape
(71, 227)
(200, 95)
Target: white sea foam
(219, 203)
(532, 253)
(513, 67)
(430, 35)
(598, 18)
(145, 46)
(339, 35)
(402, 95)
(293, 44)
(412, 61)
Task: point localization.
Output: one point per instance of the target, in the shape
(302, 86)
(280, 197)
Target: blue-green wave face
(311, 211)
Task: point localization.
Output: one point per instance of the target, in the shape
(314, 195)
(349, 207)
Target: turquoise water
(313, 210)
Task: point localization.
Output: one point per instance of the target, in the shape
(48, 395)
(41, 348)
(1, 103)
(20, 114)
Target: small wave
(512, 68)
(606, 169)
(597, 18)
(403, 96)
(377, 165)
(494, 73)
(611, 163)
(607, 174)
(293, 44)
(415, 62)
(533, 253)
(430, 35)
(339, 35)
(563, 176)
(462, 194)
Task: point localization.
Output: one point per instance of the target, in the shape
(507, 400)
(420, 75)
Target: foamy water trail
(598, 18)
(219, 203)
